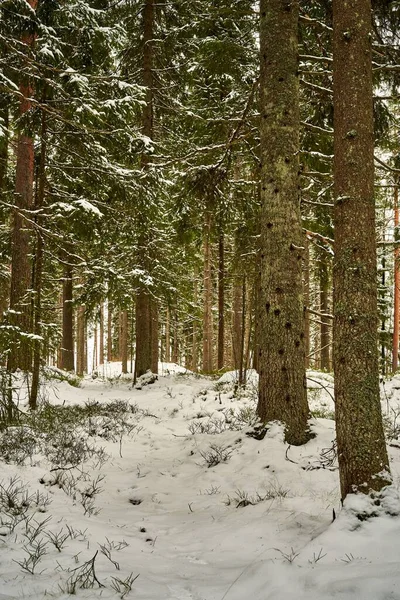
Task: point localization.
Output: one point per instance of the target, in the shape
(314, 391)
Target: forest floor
(159, 493)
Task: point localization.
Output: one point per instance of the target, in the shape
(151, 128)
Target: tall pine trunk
(38, 266)
(80, 341)
(146, 306)
(207, 283)
(110, 309)
(20, 356)
(101, 335)
(221, 301)
(67, 341)
(124, 340)
(282, 388)
(361, 446)
(195, 341)
(324, 309)
(307, 299)
(168, 336)
(4, 149)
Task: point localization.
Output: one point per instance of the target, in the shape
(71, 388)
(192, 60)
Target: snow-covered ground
(176, 493)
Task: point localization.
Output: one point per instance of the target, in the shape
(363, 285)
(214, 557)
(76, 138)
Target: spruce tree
(363, 461)
(282, 391)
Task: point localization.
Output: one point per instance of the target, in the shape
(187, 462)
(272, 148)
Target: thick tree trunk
(221, 302)
(363, 461)
(67, 342)
(282, 391)
(146, 306)
(20, 356)
(208, 288)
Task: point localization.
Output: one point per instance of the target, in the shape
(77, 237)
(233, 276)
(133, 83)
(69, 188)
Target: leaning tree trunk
(282, 388)
(21, 269)
(363, 461)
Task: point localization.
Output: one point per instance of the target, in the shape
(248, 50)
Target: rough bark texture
(67, 341)
(361, 446)
(282, 392)
(21, 269)
(146, 306)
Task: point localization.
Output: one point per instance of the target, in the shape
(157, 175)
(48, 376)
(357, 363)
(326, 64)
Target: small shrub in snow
(18, 444)
(243, 498)
(83, 577)
(216, 455)
(213, 426)
(123, 586)
(35, 551)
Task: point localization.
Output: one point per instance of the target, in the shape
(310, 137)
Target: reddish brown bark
(21, 267)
